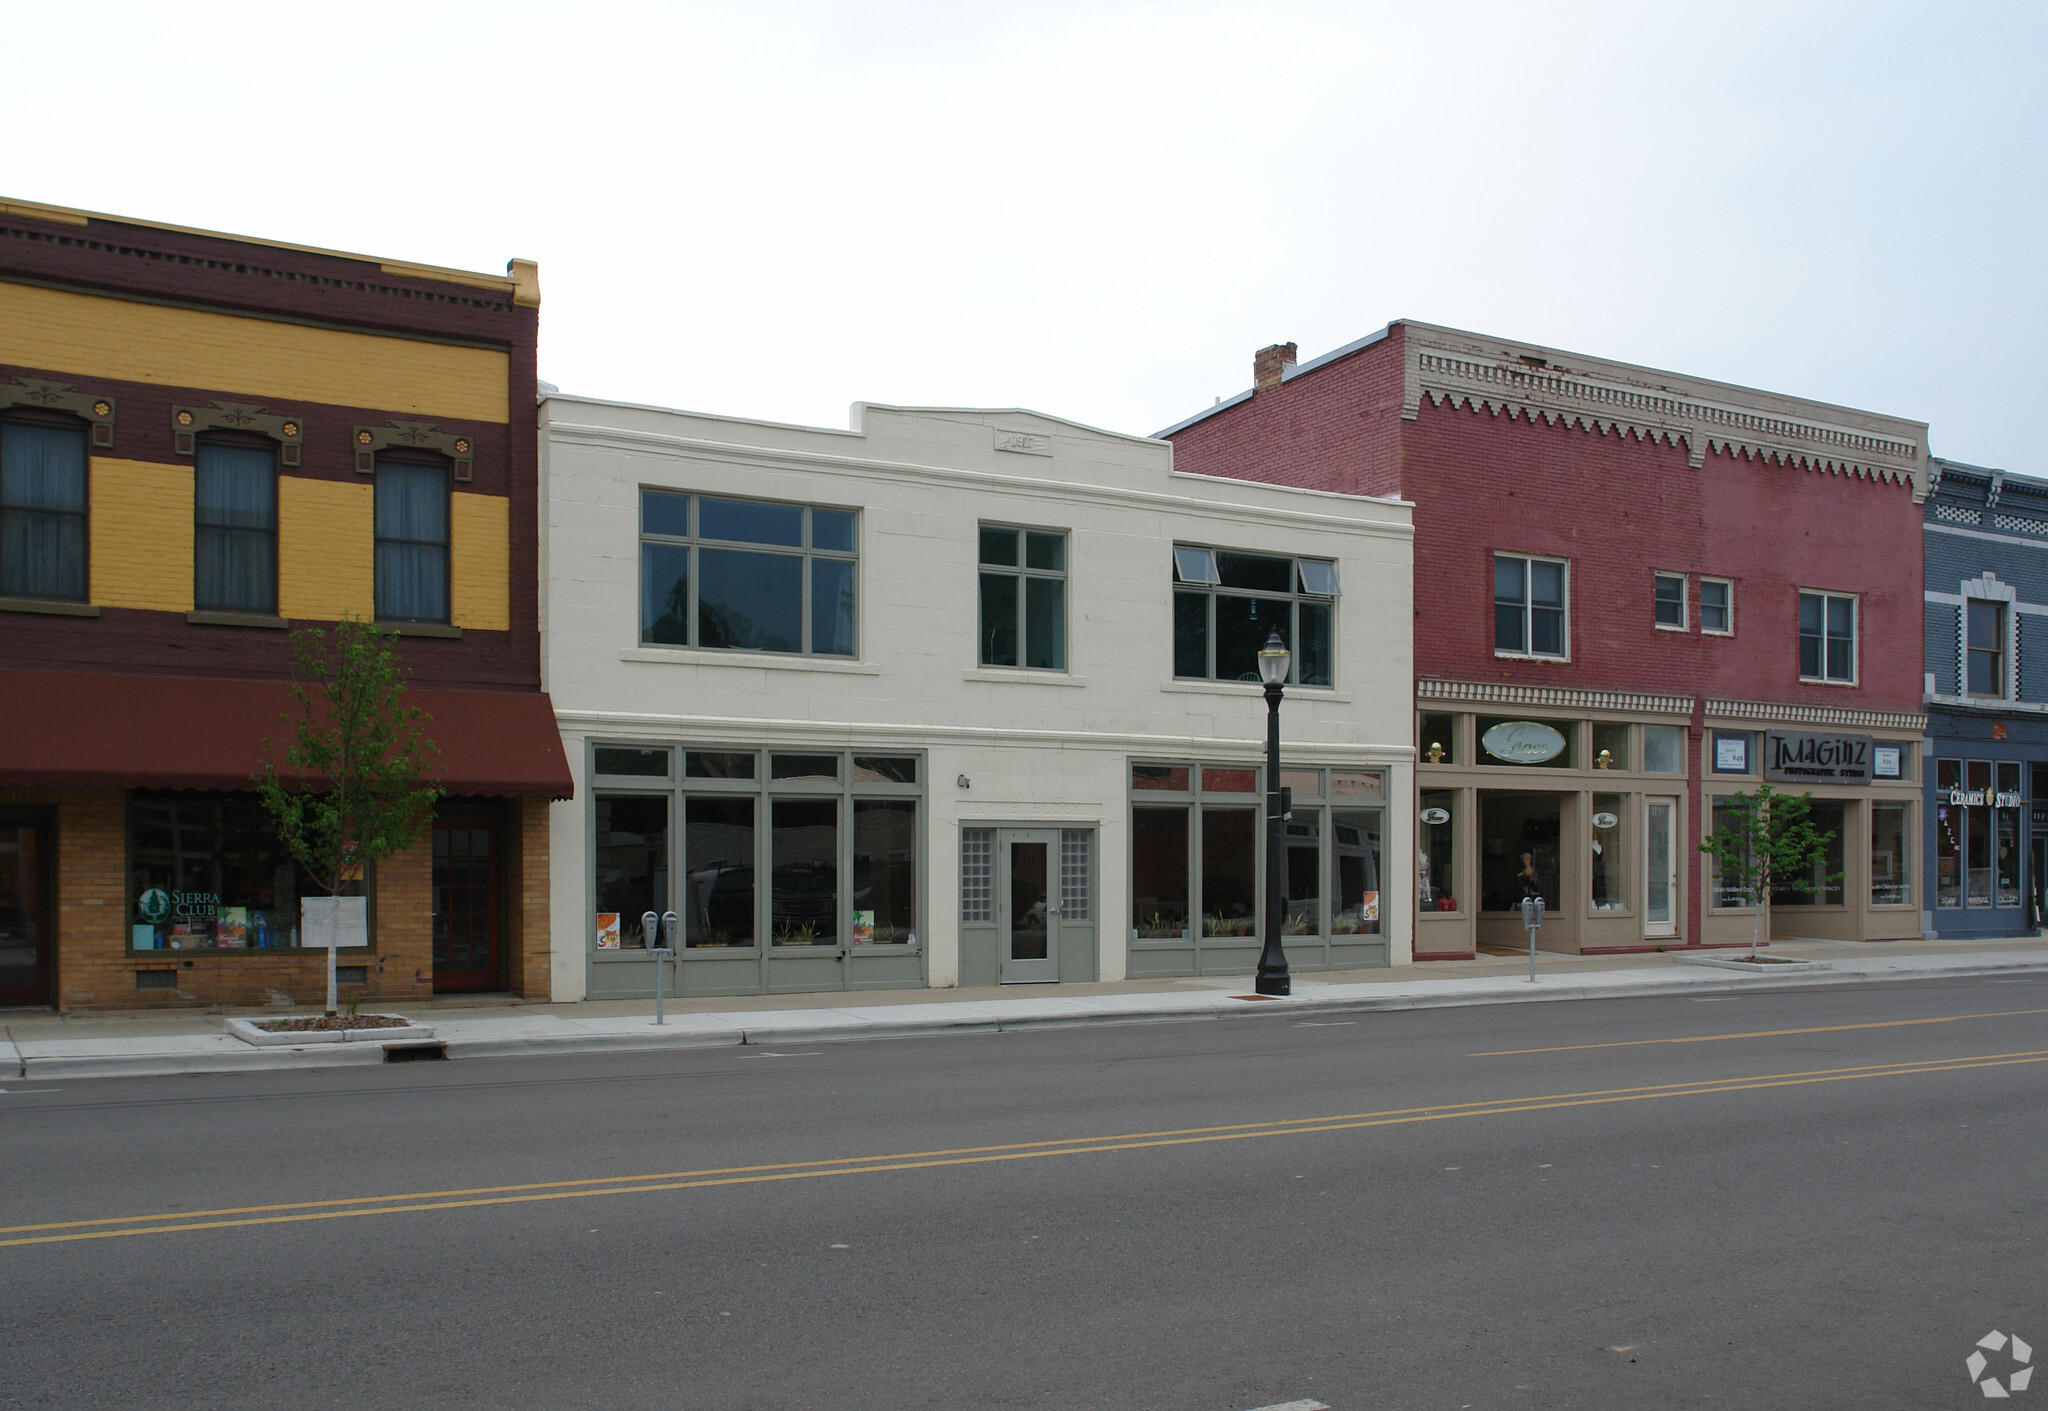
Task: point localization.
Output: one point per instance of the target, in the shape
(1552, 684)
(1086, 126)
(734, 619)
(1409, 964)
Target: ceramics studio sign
(1825, 758)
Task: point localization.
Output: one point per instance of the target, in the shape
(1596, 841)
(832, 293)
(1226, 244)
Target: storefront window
(1159, 870)
(1437, 737)
(2006, 862)
(1610, 745)
(885, 871)
(1728, 890)
(804, 883)
(1302, 905)
(208, 872)
(718, 841)
(632, 866)
(1436, 837)
(1977, 834)
(1890, 877)
(1230, 859)
(1823, 885)
(1609, 869)
(1355, 872)
(1664, 749)
(1949, 820)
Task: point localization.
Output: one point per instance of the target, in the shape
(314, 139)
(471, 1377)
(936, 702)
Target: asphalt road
(1794, 1198)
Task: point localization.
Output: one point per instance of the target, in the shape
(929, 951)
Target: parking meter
(1532, 918)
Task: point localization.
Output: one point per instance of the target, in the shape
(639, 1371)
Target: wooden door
(25, 934)
(466, 951)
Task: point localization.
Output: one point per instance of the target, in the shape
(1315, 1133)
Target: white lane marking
(27, 1092)
(1293, 1406)
(814, 1053)
(1325, 1023)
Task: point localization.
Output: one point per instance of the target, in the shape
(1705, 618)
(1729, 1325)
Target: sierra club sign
(1801, 757)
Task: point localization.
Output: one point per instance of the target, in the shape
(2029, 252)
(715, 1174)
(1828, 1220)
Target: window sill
(1254, 688)
(774, 661)
(1661, 627)
(1710, 632)
(52, 607)
(420, 629)
(237, 619)
(1530, 656)
(1824, 681)
(1021, 677)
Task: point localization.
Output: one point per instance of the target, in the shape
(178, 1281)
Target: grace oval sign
(1436, 815)
(1523, 742)
(1604, 820)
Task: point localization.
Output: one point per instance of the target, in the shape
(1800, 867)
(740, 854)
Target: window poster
(1369, 907)
(1886, 762)
(863, 928)
(1731, 754)
(607, 930)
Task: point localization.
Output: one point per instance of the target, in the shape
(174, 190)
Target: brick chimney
(1268, 363)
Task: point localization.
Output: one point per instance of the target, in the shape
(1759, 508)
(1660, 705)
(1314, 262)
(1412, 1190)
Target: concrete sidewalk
(39, 1044)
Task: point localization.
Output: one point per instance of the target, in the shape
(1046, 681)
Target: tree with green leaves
(353, 788)
(1767, 841)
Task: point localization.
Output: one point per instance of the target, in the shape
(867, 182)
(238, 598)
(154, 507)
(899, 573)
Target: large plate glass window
(1023, 597)
(1822, 885)
(1436, 861)
(42, 510)
(1529, 605)
(234, 527)
(1891, 878)
(208, 872)
(1728, 890)
(1951, 824)
(1827, 637)
(1608, 865)
(746, 575)
(1225, 603)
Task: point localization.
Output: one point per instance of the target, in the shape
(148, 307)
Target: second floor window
(234, 528)
(1670, 594)
(42, 510)
(1023, 597)
(746, 575)
(412, 539)
(1225, 604)
(1717, 606)
(1528, 605)
(1827, 637)
(1986, 646)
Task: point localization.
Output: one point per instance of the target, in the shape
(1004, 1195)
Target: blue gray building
(1986, 760)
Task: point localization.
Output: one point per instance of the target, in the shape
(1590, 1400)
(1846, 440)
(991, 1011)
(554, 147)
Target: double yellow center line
(175, 1222)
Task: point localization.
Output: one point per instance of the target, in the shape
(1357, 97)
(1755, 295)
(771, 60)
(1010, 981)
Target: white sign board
(334, 921)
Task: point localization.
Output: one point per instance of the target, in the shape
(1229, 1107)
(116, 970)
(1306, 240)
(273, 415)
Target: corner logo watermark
(2017, 1352)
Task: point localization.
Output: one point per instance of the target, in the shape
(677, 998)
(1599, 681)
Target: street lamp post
(1273, 977)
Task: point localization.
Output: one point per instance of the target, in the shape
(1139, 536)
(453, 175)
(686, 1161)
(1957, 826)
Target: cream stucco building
(958, 697)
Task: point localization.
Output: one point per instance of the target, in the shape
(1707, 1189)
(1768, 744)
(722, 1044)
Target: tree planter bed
(345, 1029)
(1762, 965)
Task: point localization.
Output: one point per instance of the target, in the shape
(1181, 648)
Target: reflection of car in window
(803, 892)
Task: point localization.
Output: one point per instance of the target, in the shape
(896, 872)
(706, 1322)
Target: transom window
(234, 528)
(1827, 637)
(412, 538)
(42, 510)
(1529, 605)
(1985, 627)
(1717, 606)
(1023, 597)
(746, 575)
(1670, 595)
(1225, 603)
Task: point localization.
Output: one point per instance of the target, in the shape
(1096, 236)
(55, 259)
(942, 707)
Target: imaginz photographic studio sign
(1800, 757)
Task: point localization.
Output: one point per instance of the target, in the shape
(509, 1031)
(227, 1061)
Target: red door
(465, 906)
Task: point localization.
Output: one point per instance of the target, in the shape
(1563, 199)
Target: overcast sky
(1100, 210)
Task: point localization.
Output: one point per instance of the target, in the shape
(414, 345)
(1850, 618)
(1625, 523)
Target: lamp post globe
(1274, 663)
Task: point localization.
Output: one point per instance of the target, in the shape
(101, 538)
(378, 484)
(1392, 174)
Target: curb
(1702, 980)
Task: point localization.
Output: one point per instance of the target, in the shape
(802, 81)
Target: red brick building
(206, 441)
(1636, 592)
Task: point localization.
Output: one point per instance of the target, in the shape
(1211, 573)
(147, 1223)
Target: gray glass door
(1029, 905)
(1660, 872)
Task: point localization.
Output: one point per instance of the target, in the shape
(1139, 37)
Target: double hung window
(1225, 604)
(1529, 605)
(234, 528)
(1827, 637)
(1670, 600)
(42, 510)
(746, 575)
(1717, 607)
(412, 538)
(1023, 597)
(1985, 630)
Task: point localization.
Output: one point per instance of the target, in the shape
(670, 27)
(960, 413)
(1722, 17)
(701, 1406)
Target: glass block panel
(1076, 849)
(977, 875)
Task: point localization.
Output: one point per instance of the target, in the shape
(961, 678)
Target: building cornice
(1780, 713)
(1555, 697)
(1458, 369)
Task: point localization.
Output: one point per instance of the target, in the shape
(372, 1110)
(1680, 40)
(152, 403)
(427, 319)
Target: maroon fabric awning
(91, 730)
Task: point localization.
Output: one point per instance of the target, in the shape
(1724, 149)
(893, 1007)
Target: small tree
(1768, 841)
(352, 790)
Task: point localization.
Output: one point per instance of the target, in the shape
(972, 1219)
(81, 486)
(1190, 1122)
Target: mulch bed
(321, 1023)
